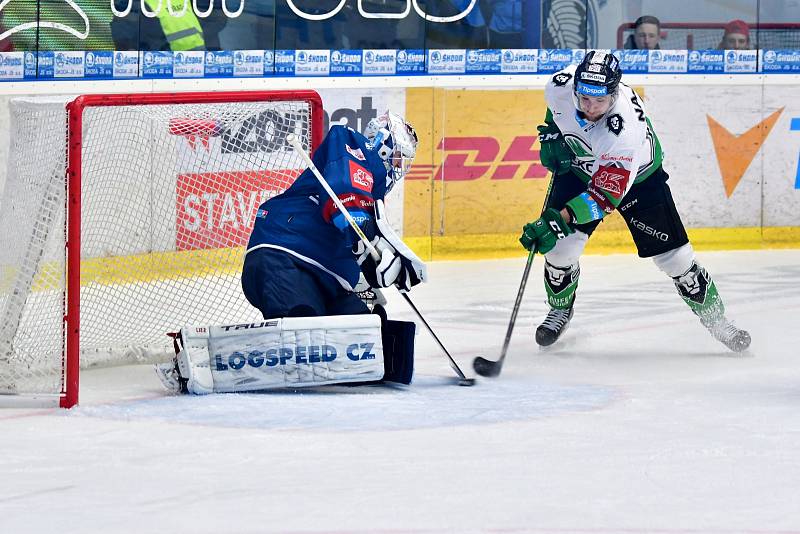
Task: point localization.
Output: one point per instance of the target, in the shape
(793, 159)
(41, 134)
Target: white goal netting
(167, 198)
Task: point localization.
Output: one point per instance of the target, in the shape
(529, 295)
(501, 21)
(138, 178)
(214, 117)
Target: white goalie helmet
(395, 140)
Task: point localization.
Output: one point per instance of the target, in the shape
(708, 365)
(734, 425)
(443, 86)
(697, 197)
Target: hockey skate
(170, 378)
(699, 291)
(553, 326)
(728, 334)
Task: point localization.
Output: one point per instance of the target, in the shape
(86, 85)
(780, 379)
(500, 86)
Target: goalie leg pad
(193, 360)
(296, 352)
(398, 351)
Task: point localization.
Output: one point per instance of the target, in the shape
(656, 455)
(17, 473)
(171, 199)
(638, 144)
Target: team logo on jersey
(561, 79)
(612, 180)
(360, 177)
(615, 124)
(355, 152)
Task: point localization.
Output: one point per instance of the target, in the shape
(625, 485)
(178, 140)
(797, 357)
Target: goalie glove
(385, 271)
(397, 263)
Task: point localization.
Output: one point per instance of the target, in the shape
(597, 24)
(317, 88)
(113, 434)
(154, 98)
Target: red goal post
(125, 217)
(708, 35)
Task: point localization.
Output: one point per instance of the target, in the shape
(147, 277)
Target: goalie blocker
(290, 353)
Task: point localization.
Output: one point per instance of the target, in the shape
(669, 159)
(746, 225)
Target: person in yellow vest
(165, 31)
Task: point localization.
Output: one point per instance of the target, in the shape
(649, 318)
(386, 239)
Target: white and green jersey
(611, 154)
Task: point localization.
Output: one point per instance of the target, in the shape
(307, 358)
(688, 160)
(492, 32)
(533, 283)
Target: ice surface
(637, 421)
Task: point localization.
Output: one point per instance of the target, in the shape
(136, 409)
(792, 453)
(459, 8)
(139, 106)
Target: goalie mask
(396, 143)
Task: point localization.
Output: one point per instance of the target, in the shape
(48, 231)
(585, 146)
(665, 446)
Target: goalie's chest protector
(295, 220)
(622, 137)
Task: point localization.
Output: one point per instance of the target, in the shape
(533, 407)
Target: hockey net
(708, 35)
(124, 217)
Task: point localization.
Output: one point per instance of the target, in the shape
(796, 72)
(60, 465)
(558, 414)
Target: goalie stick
(295, 144)
(491, 368)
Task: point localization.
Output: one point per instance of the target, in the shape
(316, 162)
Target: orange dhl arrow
(471, 158)
(735, 153)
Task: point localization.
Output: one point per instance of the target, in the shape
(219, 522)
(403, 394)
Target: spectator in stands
(505, 23)
(468, 32)
(736, 37)
(647, 34)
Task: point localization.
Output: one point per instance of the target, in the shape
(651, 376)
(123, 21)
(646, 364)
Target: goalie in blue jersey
(304, 268)
(303, 259)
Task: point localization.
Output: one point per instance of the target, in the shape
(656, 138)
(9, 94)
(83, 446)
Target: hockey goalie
(315, 282)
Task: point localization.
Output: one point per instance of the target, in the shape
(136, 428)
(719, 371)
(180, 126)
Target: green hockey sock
(698, 290)
(560, 284)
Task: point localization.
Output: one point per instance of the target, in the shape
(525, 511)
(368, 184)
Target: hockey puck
(466, 382)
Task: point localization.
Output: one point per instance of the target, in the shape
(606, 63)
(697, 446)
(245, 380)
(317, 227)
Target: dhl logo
(472, 158)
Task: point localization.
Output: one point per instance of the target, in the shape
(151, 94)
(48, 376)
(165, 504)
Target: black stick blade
(486, 367)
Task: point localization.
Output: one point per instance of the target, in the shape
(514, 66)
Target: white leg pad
(675, 262)
(568, 250)
(194, 362)
(288, 352)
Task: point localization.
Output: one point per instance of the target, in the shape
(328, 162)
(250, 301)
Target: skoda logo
(436, 57)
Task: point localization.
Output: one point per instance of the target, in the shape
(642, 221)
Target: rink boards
(731, 144)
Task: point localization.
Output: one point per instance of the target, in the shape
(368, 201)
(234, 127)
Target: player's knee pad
(398, 350)
(561, 284)
(675, 262)
(568, 250)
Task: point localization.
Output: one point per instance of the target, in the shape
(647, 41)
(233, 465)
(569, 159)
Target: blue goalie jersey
(305, 222)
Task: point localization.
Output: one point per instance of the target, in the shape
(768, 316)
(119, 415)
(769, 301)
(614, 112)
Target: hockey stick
(486, 367)
(491, 368)
(295, 144)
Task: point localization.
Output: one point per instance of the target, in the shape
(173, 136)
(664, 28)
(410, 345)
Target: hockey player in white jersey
(604, 155)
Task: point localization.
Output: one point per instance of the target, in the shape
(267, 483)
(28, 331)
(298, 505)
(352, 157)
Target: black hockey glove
(554, 152)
